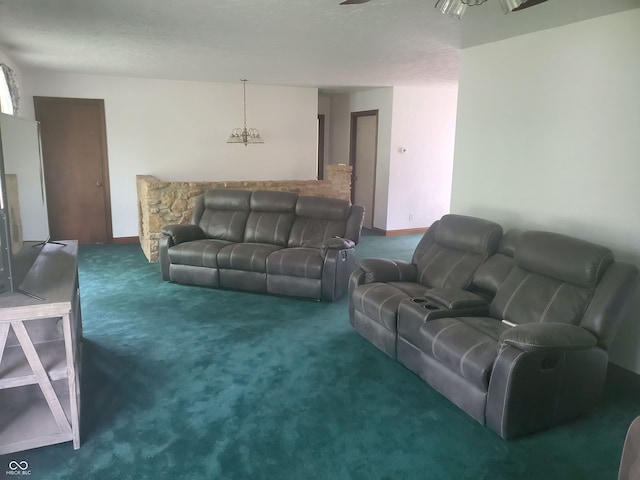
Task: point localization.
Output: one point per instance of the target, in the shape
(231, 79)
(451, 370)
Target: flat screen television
(24, 226)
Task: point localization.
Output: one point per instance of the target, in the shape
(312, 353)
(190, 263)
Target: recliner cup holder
(425, 303)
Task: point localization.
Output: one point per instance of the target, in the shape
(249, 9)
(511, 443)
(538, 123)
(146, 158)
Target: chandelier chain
(244, 135)
(244, 100)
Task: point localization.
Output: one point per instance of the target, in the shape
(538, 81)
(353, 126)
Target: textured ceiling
(314, 43)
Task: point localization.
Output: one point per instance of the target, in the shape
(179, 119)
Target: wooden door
(74, 155)
(364, 152)
(321, 158)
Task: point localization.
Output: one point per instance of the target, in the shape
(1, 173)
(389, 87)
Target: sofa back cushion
(317, 219)
(222, 214)
(493, 272)
(553, 280)
(271, 217)
(453, 249)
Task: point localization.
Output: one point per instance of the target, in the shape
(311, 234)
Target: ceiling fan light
(453, 8)
(510, 5)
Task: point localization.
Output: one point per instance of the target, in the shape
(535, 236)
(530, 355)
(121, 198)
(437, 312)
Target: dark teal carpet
(185, 382)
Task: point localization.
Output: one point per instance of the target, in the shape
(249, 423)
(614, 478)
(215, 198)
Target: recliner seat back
(453, 248)
(222, 214)
(494, 271)
(271, 217)
(318, 219)
(554, 279)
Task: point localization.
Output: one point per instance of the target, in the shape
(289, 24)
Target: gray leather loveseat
(265, 242)
(512, 328)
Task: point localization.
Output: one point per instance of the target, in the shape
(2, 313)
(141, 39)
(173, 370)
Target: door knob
(98, 184)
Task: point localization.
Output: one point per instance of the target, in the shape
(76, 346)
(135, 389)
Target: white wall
(4, 58)
(418, 182)
(177, 130)
(548, 138)
(339, 126)
(342, 106)
(423, 122)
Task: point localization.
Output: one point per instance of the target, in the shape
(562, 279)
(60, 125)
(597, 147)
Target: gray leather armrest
(548, 336)
(354, 223)
(383, 270)
(183, 233)
(453, 298)
(336, 243)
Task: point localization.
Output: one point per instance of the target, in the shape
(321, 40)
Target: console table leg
(73, 377)
(4, 333)
(41, 376)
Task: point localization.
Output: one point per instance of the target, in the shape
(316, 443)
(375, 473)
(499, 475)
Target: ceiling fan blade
(353, 2)
(527, 4)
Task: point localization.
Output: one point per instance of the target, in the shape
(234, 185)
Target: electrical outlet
(411, 216)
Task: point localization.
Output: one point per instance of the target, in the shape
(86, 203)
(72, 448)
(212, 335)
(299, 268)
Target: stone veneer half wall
(162, 203)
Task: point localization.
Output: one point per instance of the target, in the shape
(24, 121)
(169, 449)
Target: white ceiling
(315, 43)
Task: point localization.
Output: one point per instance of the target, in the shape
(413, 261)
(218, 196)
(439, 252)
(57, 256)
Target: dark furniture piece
(630, 460)
(522, 344)
(445, 259)
(265, 242)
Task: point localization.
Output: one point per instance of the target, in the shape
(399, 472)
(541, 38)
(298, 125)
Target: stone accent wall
(161, 203)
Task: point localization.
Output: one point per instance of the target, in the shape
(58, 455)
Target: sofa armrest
(454, 298)
(181, 233)
(548, 336)
(353, 228)
(384, 270)
(338, 265)
(336, 243)
(534, 390)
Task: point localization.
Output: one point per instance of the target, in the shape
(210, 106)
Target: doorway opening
(76, 168)
(363, 153)
(321, 120)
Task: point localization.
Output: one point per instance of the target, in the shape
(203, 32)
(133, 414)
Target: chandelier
(456, 8)
(245, 135)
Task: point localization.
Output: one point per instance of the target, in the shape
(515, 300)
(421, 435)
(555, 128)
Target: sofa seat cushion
(467, 346)
(199, 253)
(248, 257)
(379, 301)
(296, 262)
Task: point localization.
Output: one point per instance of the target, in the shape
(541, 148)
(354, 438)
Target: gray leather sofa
(522, 344)
(265, 242)
(445, 259)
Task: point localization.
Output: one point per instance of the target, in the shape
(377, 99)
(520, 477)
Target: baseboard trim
(405, 231)
(126, 240)
(619, 379)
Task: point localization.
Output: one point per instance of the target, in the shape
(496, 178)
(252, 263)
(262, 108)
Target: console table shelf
(40, 354)
(16, 371)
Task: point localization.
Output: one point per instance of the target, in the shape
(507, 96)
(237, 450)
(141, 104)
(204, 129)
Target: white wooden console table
(40, 354)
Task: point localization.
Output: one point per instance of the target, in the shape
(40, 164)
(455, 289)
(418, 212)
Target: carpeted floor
(186, 382)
